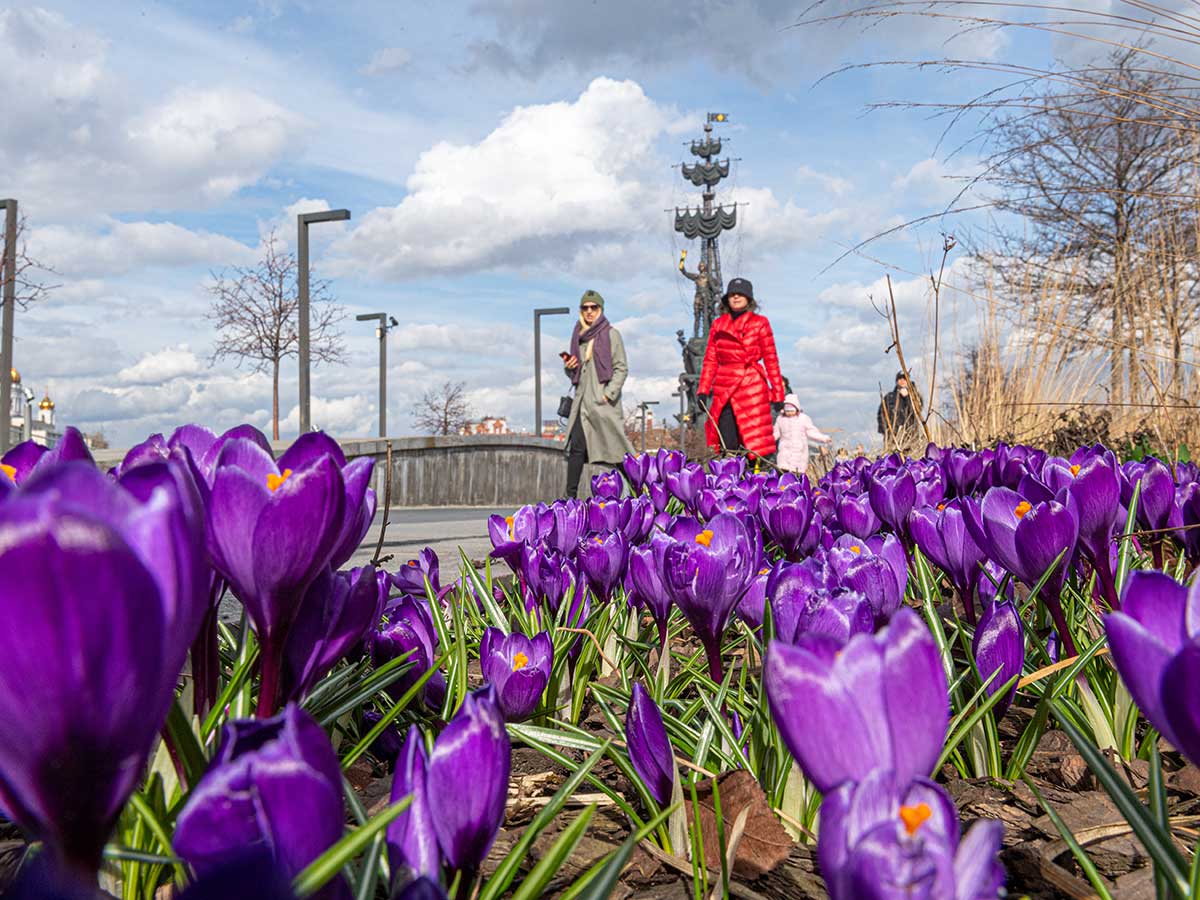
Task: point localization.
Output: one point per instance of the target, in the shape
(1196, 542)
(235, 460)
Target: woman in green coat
(597, 367)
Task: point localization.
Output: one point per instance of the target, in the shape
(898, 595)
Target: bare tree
(256, 313)
(443, 410)
(31, 274)
(1091, 173)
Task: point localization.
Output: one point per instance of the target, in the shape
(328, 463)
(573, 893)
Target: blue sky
(496, 156)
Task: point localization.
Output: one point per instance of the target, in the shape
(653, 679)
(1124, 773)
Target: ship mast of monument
(705, 222)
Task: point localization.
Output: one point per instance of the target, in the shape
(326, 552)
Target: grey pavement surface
(445, 529)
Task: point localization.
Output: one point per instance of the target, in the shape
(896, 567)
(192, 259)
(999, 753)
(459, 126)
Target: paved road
(443, 528)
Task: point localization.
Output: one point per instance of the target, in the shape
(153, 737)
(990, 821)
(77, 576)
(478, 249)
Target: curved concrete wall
(467, 470)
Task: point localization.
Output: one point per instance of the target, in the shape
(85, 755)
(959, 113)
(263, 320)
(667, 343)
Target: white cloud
(77, 138)
(834, 184)
(389, 59)
(937, 182)
(345, 416)
(547, 180)
(129, 246)
(161, 366)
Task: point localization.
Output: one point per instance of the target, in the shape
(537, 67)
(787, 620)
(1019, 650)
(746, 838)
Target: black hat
(739, 286)
(900, 376)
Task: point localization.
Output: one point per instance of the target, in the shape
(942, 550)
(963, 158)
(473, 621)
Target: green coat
(600, 406)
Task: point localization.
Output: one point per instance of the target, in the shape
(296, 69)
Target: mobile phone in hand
(565, 355)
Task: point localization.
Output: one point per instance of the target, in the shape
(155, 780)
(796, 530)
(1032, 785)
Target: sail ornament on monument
(705, 223)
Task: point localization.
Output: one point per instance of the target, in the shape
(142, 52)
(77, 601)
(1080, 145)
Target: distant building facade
(30, 418)
(487, 425)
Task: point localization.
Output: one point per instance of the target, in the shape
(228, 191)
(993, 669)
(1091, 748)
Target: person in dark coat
(740, 380)
(896, 419)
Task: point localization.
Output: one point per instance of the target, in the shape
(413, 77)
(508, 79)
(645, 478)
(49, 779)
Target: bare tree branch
(256, 311)
(31, 284)
(443, 410)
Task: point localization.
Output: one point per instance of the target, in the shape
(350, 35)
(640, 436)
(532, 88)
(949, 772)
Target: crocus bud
(274, 783)
(467, 781)
(649, 748)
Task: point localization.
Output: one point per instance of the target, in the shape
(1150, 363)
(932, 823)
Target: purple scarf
(601, 349)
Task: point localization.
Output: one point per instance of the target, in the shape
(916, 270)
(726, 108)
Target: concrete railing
(466, 470)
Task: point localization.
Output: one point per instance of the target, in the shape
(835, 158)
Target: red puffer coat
(741, 368)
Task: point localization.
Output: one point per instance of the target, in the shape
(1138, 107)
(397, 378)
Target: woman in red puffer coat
(741, 375)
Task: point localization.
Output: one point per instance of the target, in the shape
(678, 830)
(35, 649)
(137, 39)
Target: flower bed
(897, 682)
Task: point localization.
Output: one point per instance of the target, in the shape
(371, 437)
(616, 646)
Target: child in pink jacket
(793, 430)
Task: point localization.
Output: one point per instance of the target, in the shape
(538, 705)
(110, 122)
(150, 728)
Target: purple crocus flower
(686, 484)
(567, 522)
(518, 667)
(893, 494)
(942, 535)
(875, 568)
(410, 578)
(468, 811)
(338, 611)
(1095, 494)
(788, 588)
(548, 575)
(729, 469)
(646, 564)
(509, 534)
(708, 576)
(752, 606)
(275, 783)
(272, 531)
(422, 888)
(999, 647)
(659, 497)
(963, 470)
(359, 508)
(1026, 538)
(100, 599)
(21, 461)
(1156, 503)
(786, 518)
(1155, 644)
(668, 461)
(409, 629)
(607, 486)
(880, 701)
(838, 614)
(602, 559)
(411, 838)
(891, 837)
(639, 469)
(649, 747)
(856, 516)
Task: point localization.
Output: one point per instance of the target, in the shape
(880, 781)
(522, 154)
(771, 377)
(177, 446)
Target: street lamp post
(381, 332)
(8, 299)
(537, 360)
(27, 426)
(643, 406)
(303, 220)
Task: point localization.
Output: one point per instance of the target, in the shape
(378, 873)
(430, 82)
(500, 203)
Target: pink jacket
(792, 434)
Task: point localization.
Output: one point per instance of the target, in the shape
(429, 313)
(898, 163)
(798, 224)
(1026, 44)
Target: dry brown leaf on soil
(764, 843)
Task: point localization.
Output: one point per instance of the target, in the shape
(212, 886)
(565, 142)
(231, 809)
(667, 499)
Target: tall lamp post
(537, 360)
(303, 220)
(8, 299)
(381, 332)
(643, 406)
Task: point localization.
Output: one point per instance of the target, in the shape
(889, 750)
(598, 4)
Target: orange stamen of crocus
(520, 661)
(1075, 469)
(10, 471)
(1023, 507)
(914, 817)
(508, 520)
(705, 537)
(274, 481)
